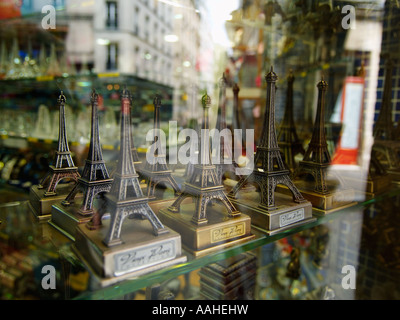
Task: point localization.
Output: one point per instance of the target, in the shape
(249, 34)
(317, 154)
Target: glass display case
(306, 92)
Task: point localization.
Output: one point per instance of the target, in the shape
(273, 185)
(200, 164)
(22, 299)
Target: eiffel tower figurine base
(140, 253)
(219, 232)
(41, 204)
(323, 204)
(285, 215)
(66, 219)
(369, 188)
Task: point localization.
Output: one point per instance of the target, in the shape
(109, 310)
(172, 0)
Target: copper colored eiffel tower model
(157, 171)
(111, 255)
(206, 228)
(386, 137)
(270, 211)
(48, 192)
(318, 183)
(226, 164)
(94, 181)
(288, 140)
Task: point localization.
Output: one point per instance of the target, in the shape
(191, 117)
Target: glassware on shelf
(43, 128)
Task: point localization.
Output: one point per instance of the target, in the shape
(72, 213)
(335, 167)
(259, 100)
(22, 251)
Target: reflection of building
(130, 38)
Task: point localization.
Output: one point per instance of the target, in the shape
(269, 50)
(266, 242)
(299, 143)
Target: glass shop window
(112, 56)
(112, 14)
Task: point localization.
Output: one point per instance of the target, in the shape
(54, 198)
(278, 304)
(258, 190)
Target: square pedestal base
(66, 218)
(370, 188)
(41, 205)
(219, 232)
(286, 215)
(323, 203)
(140, 253)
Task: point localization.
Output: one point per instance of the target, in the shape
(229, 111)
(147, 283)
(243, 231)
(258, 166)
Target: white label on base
(136, 259)
(291, 217)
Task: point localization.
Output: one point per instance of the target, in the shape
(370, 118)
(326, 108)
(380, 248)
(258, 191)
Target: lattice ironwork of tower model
(316, 179)
(197, 222)
(289, 143)
(269, 210)
(103, 248)
(156, 169)
(49, 191)
(95, 181)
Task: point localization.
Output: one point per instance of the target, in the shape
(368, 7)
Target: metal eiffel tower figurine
(158, 171)
(270, 211)
(114, 257)
(386, 137)
(225, 162)
(95, 180)
(383, 129)
(44, 195)
(288, 140)
(206, 228)
(323, 187)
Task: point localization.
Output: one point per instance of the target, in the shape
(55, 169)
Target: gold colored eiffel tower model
(206, 228)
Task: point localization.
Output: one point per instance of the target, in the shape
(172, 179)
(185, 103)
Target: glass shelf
(42, 239)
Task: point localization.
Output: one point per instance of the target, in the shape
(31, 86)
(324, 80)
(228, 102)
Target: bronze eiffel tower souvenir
(225, 162)
(288, 141)
(386, 140)
(158, 172)
(270, 211)
(376, 182)
(206, 228)
(49, 191)
(94, 181)
(146, 244)
(323, 187)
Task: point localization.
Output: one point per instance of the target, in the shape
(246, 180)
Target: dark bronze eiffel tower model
(270, 169)
(200, 230)
(126, 197)
(95, 181)
(328, 192)
(271, 212)
(386, 139)
(226, 164)
(95, 178)
(44, 195)
(288, 140)
(64, 166)
(383, 129)
(158, 171)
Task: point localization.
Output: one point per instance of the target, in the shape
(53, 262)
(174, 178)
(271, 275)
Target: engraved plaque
(143, 257)
(227, 232)
(291, 217)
